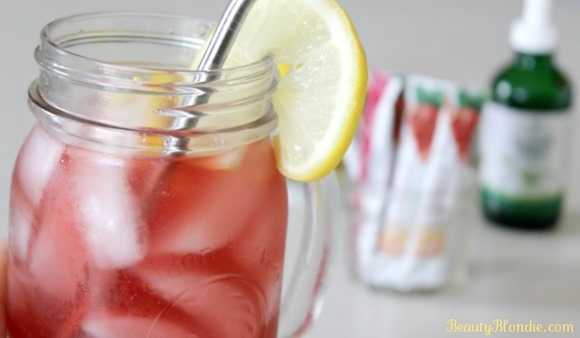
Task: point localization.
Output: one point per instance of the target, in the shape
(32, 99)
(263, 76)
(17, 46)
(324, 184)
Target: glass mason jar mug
(146, 200)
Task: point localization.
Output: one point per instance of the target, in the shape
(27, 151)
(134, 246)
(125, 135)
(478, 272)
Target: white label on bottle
(523, 153)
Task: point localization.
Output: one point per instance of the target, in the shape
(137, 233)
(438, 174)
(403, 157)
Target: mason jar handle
(302, 298)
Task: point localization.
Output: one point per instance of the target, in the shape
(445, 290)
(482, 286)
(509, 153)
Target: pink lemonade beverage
(104, 245)
(146, 202)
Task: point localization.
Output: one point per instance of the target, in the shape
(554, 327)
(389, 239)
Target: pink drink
(105, 245)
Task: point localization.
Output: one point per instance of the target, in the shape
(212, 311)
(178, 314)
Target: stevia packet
(414, 181)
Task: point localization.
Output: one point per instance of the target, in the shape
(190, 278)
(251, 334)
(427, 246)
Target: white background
(515, 276)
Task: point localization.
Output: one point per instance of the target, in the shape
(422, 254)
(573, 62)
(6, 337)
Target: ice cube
(196, 208)
(211, 288)
(108, 210)
(32, 311)
(229, 160)
(49, 284)
(265, 237)
(58, 259)
(22, 316)
(100, 324)
(125, 294)
(233, 305)
(226, 304)
(21, 218)
(143, 175)
(172, 275)
(122, 299)
(196, 211)
(39, 157)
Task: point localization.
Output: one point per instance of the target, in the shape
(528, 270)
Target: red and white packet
(415, 191)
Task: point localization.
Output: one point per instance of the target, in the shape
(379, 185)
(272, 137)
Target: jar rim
(77, 91)
(51, 48)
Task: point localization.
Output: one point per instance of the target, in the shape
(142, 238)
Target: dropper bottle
(525, 129)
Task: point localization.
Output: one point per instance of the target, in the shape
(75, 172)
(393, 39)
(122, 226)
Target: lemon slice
(320, 99)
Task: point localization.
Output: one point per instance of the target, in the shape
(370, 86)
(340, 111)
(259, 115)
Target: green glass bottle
(525, 130)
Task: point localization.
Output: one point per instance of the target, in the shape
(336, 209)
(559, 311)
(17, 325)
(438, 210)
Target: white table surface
(513, 275)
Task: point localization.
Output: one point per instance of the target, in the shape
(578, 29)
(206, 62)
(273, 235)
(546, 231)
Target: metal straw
(225, 34)
(213, 58)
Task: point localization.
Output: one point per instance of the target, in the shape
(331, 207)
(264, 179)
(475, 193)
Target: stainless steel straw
(225, 34)
(213, 58)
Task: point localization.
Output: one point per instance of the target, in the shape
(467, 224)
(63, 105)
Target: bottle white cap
(534, 32)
